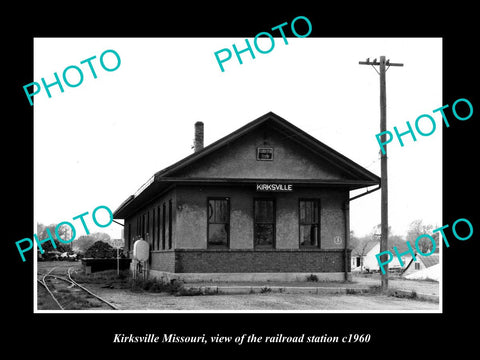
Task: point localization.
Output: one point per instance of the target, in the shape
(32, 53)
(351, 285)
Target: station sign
(275, 187)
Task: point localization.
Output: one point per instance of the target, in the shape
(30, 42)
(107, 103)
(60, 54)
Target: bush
(312, 277)
(155, 285)
(189, 292)
(101, 250)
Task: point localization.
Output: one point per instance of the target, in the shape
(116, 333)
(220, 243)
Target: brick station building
(267, 201)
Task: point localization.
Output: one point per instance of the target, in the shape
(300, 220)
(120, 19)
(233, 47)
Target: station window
(137, 227)
(264, 223)
(154, 247)
(147, 230)
(218, 230)
(164, 209)
(159, 227)
(129, 237)
(170, 218)
(309, 223)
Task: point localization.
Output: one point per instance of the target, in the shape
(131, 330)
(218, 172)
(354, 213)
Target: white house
(425, 267)
(364, 259)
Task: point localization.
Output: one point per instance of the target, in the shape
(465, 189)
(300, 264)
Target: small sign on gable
(264, 153)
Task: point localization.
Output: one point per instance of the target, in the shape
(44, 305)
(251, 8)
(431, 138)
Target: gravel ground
(420, 286)
(127, 300)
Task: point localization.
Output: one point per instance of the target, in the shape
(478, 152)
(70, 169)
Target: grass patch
(81, 304)
(403, 294)
(109, 278)
(375, 289)
(102, 276)
(72, 302)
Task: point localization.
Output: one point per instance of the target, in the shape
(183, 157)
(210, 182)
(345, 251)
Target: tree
(354, 240)
(396, 240)
(361, 246)
(81, 244)
(377, 231)
(417, 228)
(100, 249)
(42, 234)
(99, 236)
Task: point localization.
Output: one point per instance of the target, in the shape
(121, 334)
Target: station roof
(166, 178)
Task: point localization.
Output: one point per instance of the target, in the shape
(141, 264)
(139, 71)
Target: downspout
(346, 214)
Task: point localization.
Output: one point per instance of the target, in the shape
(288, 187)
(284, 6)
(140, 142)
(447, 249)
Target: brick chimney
(198, 140)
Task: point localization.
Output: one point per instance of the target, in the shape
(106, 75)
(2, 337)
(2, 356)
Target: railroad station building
(267, 201)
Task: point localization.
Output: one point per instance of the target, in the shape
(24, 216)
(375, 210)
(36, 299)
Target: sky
(97, 143)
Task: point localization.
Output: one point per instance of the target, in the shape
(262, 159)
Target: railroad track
(70, 295)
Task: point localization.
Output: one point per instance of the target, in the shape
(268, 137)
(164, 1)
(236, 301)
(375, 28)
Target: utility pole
(383, 163)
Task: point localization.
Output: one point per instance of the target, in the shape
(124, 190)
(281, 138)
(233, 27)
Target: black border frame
(457, 27)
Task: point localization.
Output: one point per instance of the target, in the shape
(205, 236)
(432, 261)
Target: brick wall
(232, 261)
(163, 260)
